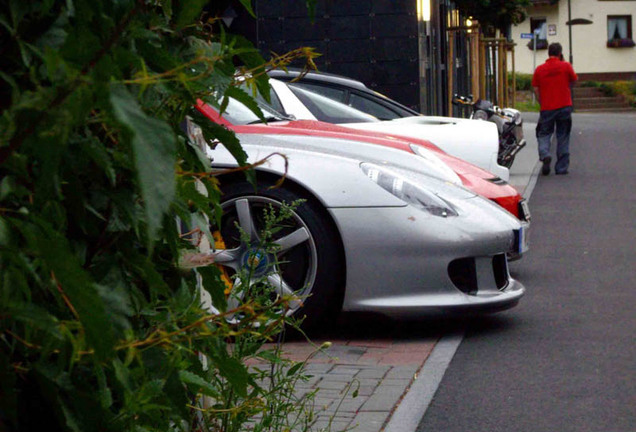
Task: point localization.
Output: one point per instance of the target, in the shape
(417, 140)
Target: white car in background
(474, 141)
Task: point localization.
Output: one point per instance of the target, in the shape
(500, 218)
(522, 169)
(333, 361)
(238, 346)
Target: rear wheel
(305, 263)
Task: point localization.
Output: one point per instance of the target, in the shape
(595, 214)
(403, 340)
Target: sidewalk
(395, 379)
(378, 372)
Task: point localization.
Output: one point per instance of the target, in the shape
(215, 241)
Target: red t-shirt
(553, 79)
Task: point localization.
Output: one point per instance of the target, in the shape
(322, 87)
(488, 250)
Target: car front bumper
(403, 262)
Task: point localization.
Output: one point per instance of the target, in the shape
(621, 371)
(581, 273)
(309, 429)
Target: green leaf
(122, 374)
(80, 289)
(201, 157)
(175, 392)
(269, 356)
(245, 99)
(212, 283)
(8, 379)
(203, 223)
(228, 138)
(151, 275)
(15, 91)
(253, 60)
(247, 4)
(190, 191)
(117, 302)
(234, 372)
(104, 394)
(154, 147)
(198, 384)
(295, 368)
(96, 150)
(55, 36)
(35, 317)
(188, 11)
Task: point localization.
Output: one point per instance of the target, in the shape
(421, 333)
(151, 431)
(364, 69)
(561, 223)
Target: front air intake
(463, 274)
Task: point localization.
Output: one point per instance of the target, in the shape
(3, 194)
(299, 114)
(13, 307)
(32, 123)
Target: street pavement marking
(533, 181)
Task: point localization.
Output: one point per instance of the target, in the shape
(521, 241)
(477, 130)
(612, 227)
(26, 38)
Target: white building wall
(589, 50)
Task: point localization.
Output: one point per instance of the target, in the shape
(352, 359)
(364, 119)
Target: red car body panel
(474, 178)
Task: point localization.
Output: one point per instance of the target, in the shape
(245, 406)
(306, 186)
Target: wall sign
(551, 29)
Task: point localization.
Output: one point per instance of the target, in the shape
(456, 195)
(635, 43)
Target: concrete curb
(411, 410)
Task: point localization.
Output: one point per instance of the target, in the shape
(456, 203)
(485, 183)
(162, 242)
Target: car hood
(355, 141)
(475, 141)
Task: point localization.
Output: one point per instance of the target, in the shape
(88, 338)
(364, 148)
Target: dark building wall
(374, 41)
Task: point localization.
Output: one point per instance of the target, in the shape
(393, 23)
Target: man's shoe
(562, 172)
(545, 169)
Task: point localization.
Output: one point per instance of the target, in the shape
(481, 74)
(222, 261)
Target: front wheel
(298, 258)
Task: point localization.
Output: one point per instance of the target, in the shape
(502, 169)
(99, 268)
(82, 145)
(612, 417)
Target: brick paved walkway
(380, 370)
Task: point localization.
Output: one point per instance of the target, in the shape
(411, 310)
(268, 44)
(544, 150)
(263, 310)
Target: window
(619, 31)
(325, 90)
(370, 107)
(328, 110)
(274, 101)
(540, 26)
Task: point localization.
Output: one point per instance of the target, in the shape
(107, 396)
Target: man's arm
(573, 76)
(536, 92)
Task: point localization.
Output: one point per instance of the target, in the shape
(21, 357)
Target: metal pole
(514, 78)
(534, 51)
(534, 59)
(570, 30)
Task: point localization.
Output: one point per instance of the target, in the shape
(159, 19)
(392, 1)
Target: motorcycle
(509, 124)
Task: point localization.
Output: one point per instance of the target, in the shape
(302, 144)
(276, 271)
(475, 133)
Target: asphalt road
(565, 358)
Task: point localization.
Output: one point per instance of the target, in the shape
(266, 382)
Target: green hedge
(523, 81)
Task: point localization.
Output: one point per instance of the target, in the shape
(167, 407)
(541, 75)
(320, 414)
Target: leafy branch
(100, 327)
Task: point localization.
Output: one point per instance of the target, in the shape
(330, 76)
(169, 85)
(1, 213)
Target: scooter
(509, 124)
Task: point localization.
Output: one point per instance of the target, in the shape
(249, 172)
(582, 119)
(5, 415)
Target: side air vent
(497, 180)
(500, 270)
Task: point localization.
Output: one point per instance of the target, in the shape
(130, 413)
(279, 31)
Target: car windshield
(238, 114)
(328, 110)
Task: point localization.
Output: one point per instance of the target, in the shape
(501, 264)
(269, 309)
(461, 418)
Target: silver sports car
(373, 233)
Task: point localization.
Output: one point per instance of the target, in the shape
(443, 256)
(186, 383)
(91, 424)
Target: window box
(620, 43)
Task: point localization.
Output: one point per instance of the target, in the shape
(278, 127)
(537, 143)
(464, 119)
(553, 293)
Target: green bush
(101, 327)
(523, 81)
(607, 89)
(595, 84)
(528, 106)
(627, 89)
(623, 87)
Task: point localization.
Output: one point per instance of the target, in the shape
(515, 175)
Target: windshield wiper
(267, 120)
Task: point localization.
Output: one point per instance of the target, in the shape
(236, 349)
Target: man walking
(552, 82)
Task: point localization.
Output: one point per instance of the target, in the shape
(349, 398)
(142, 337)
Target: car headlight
(480, 115)
(408, 191)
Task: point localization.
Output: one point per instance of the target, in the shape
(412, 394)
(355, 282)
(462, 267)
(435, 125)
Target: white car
(474, 141)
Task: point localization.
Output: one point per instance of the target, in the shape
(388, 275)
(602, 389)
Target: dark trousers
(561, 120)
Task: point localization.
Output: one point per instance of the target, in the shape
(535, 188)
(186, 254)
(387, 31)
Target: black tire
(313, 268)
